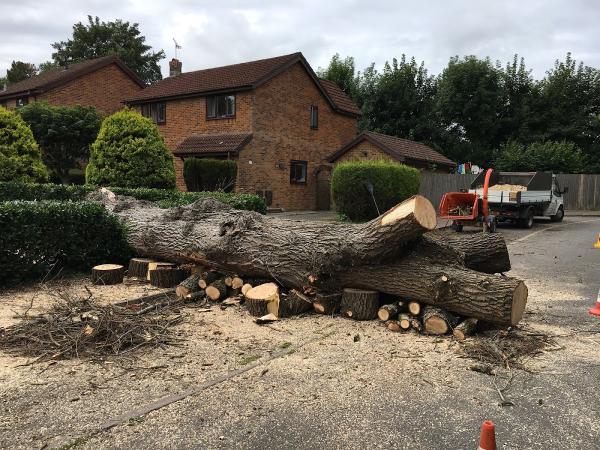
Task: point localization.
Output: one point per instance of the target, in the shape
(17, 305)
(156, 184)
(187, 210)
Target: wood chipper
(469, 208)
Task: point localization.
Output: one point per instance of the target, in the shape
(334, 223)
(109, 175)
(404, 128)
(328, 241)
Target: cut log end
(263, 299)
(518, 304)
(422, 210)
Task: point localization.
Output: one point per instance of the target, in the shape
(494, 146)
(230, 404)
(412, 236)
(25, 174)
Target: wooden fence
(584, 190)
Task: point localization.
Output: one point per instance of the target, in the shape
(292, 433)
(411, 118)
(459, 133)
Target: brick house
(101, 82)
(371, 145)
(274, 117)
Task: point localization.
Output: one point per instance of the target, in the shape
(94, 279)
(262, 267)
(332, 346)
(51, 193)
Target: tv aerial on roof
(177, 47)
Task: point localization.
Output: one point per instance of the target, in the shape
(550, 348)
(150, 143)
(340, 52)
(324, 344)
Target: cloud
(229, 31)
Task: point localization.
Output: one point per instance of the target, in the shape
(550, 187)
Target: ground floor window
(21, 101)
(298, 170)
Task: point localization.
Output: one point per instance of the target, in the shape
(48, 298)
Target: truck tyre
(558, 217)
(527, 221)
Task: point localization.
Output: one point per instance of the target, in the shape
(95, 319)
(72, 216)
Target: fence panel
(584, 189)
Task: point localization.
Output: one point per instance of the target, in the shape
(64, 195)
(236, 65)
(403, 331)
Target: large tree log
(294, 253)
(492, 298)
(360, 304)
(484, 252)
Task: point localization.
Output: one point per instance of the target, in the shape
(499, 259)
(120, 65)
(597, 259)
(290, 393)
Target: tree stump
(166, 277)
(360, 304)
(388, 312)
(466, 328)
(217, 290)
(188, 286)
(138, 268)
(437, 321)
(293, 303)
(327, 303)
(108, 274)
(153, 265)
(263, 299)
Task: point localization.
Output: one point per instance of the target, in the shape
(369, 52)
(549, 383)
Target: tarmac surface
(343, 384)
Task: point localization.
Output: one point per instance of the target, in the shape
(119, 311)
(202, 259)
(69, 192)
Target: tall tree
(469, 98)
(341, 72)
(20, 71)
(96, 39)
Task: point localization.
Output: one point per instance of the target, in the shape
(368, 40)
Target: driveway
(322, 382)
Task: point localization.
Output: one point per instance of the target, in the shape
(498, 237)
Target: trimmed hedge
(164, 197)
(209, 174)
(392, 184)
(38, 237)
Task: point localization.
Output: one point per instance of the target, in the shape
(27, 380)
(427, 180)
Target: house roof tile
(199, 144)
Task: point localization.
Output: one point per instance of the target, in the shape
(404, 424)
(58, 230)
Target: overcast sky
(214, 33)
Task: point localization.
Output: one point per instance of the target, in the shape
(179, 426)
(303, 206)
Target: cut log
(360, 304)
(138, 268)
(483, 252)
(294, 303)
(404, 321)
(466, 328)
(155, 265)
(227, 280)
(393, 325)
(263, 299)
(196, 296)
(237, 283)
(188, 286)
(437, 321)
(166, 277)
(267, 318)
(388, 312)
(295, 253)
(217, 290)
(234, 292)
(493, 298)
(416, 324)
(327, 303)
(414, 308)
(245, 288)
(106, 274)
(207, 278)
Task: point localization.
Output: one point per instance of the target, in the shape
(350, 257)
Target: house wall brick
(281, 133)
(104, 89)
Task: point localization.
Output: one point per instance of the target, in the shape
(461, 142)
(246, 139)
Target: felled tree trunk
(291, 252)
(492, 298)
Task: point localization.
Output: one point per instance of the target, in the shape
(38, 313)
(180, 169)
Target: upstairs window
(298, 172)
(314, 117)
(155, 111)
(21, 101)
(220, 106)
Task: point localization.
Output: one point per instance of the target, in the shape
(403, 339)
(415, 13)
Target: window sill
(301, 183)
(220, 118)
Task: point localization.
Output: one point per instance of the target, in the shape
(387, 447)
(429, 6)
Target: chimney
(174, 67)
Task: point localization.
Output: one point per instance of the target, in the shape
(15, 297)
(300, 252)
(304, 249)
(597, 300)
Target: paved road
(405, 391)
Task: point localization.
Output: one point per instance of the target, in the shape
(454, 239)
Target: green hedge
(38, 237)
(164, 197)
(392, 183)
(208, 174)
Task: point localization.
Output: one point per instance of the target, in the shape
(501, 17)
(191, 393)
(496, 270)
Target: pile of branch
(75, 327)
(396, 254)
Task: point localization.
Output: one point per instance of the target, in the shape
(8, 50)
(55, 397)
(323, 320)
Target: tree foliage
(20, 158)
(64, 134)
(342, 73)
(562, 157)
(96, 39)
(130, 152)
(209, 174)
(20, 71)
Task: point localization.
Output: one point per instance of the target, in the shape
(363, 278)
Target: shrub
(64, 134)
(41, 236)
(164, 197)
(20, 157)
(392, 183)
(130, 152)
(209, 174)
(562, 157)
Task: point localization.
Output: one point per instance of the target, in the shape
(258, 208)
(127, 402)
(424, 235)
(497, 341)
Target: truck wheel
(527, 221)
(558, 217)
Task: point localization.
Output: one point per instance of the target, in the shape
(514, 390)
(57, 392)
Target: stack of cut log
(336, 267)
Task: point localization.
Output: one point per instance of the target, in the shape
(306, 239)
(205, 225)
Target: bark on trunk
(291, 252)
(263, 300)
(438, 321)
(188, 286)
(327, 303)
(164, 277)
(360, 304)
(293, 303)
(466, 328)
(138, 268)
(492, 298)
(106, 274)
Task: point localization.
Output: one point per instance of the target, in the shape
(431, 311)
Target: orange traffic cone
(487, 440)
(597, 244)
(596, 309)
